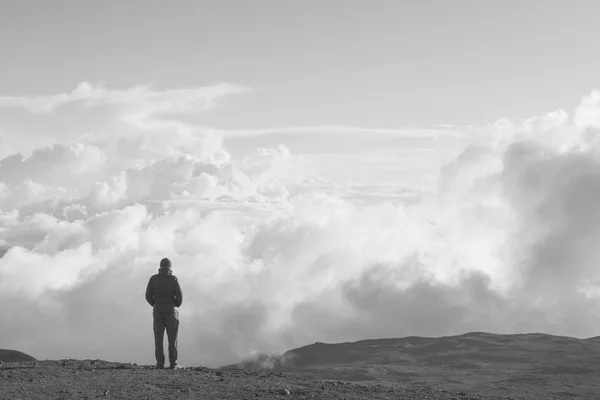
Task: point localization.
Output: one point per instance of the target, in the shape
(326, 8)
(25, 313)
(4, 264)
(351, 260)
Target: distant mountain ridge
(475, 360)
(14, 356)
(319, 352)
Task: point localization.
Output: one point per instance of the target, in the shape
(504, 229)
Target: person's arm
(178, 296)
(150, 293)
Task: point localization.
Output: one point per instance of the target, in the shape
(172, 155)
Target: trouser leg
(159, 334)
(172, 323)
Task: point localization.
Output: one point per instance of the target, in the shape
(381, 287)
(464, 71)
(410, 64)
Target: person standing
(164, 294)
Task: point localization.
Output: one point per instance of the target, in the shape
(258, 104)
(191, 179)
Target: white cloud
(153, 113)
(271, 256)
(142, 99)
(441, 131)
(588, 112)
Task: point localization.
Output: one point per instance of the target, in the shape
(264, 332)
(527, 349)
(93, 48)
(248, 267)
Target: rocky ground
(92, 379)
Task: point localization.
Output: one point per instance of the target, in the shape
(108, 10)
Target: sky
(316, 171)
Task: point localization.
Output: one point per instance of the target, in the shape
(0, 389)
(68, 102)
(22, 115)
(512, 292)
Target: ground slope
(537, 365)
(92, 379)
(13, 355)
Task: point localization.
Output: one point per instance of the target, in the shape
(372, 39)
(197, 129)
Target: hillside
(537, 365)
(14, 356)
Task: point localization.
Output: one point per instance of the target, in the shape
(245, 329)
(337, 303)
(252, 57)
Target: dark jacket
(164, 291)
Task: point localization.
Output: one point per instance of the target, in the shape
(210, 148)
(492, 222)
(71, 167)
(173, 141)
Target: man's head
(165, 263)
(165, 267)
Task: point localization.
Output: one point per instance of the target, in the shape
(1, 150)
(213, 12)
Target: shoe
(159, 366)
(174, 366)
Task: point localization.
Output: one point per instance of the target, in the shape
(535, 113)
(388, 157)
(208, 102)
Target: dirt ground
(93, 379)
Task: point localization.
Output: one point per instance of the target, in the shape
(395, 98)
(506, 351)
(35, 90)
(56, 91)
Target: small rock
(285, 392)
(30, 379)
(106, 392)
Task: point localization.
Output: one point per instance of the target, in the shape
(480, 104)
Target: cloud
(143, 98)
(141, 113)
(587, 113)
(272, 256)
(441, 131)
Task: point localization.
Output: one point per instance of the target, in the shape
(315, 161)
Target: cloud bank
(270, 255)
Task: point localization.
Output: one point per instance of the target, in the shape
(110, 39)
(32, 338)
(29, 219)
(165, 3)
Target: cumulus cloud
(272, 256)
